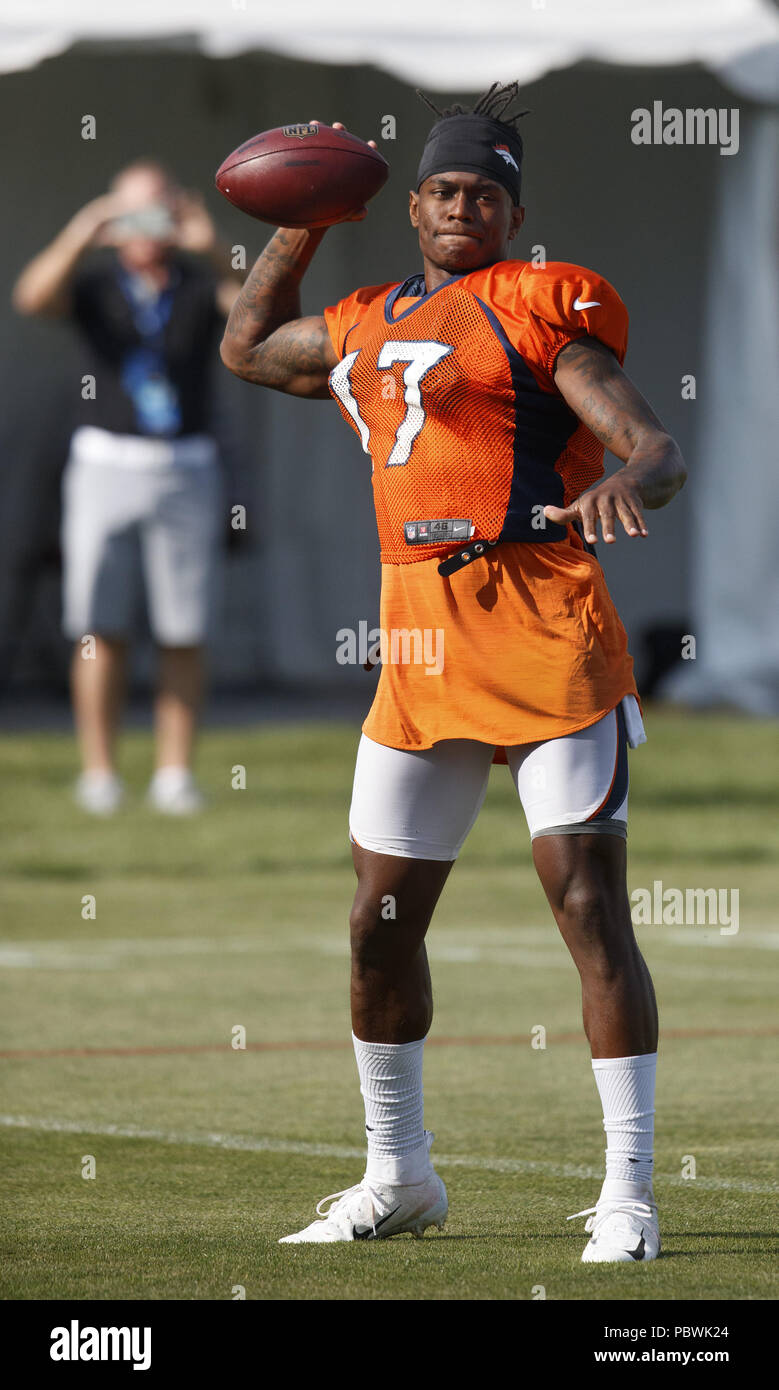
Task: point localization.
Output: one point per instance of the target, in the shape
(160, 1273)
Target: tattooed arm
(266, 341)
(591, 380)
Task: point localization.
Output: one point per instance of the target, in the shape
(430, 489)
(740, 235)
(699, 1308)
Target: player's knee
(597, 925)
(591, 910)
(583, 904)
(371, 949)
(378, 939)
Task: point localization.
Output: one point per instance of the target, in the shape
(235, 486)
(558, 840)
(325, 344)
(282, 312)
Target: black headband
(477, 144)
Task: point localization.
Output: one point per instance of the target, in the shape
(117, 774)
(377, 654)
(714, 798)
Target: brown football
(302, 175)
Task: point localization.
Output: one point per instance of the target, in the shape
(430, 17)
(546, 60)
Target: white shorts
(421, 805)
(141, 517)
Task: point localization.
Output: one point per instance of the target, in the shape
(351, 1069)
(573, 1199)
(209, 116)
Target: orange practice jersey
(453, 396)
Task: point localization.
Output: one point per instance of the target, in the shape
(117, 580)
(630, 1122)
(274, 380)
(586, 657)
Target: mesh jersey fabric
(452, 394)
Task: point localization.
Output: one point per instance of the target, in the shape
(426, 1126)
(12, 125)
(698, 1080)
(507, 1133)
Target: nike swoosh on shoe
(365, 1232)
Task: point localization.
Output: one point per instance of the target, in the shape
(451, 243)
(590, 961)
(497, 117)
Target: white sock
(391, 1086)
(627, 1092)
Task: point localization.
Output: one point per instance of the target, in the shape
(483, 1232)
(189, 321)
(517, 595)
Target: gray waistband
(595, 827)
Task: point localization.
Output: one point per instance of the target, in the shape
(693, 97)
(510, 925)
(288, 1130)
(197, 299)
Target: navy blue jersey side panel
(544, 424)
(619, 786)
(588, 545)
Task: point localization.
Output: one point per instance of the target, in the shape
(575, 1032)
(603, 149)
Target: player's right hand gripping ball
(306, 175)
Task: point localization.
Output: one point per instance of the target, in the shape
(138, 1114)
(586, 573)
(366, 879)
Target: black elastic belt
(461, 558)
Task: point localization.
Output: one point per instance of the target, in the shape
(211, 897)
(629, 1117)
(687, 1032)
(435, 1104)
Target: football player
(484, 389)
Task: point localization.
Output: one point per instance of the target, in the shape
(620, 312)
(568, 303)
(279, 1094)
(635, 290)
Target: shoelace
(608, 1208)
(336, 1197)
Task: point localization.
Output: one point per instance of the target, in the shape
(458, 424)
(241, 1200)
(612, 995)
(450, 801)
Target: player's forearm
(591, 380)
(657, 467)
(271, 295)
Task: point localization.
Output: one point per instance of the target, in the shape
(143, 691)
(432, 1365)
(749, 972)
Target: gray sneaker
(174, 792)
(99, 793)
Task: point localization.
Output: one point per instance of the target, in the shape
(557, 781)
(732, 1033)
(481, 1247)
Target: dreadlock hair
(493, 103)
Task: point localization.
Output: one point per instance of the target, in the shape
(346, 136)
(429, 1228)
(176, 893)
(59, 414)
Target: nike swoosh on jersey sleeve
(566, 302)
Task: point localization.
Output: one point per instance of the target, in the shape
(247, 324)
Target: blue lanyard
(150, 313)
(144, 374)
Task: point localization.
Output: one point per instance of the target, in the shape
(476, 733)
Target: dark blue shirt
(151, 357)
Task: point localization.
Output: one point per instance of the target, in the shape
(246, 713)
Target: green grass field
(117, 1035)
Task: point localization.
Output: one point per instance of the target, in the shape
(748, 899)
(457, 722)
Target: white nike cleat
(174, 792)
(376, 1211)
(623, 1231)
(99, 793)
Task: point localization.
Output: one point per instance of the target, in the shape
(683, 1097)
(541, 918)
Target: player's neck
(436, 275)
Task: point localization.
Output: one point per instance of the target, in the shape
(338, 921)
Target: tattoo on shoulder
(588, 357)
(604, 398)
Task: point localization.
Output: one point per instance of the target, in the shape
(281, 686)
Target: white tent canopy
(446, 45)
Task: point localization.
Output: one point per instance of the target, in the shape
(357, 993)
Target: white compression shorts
(422, 805)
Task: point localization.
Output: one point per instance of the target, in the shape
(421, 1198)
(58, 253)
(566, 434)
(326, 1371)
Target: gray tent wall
(642, 216)
(735, 557)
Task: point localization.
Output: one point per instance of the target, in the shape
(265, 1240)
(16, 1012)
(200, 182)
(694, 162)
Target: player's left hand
(616, 498)
(195, 230)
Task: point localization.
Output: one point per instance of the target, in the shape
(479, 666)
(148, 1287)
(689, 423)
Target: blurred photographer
(141, 488)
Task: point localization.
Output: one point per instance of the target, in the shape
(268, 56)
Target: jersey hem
(511, 742)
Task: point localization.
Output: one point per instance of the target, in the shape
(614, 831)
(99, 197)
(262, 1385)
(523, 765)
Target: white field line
(531, 947)
(306, 1149)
